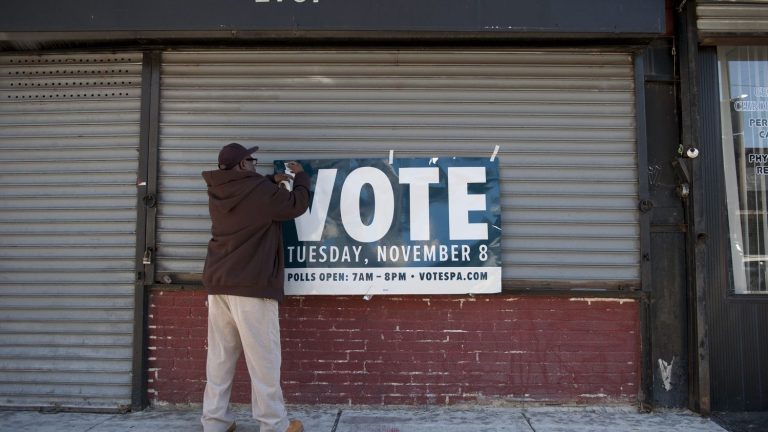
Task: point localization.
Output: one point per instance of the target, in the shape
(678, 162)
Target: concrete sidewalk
(378, 419)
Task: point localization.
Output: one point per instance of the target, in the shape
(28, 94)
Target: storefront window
(744, 111)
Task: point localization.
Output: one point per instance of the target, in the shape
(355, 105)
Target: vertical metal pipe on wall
(645, 395)
(699, 399)
(146, 183)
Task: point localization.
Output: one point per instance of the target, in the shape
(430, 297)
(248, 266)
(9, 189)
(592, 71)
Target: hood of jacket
(225, 188)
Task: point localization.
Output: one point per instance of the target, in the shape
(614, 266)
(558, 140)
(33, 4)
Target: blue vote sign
(412, 226)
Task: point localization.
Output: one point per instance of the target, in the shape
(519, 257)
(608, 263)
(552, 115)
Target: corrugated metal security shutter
(740, 17)
(564, 121)
(69, 134)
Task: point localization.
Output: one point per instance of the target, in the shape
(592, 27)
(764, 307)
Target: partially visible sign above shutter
(729, 18)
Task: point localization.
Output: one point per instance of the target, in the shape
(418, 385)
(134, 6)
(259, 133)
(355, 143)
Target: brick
(397, 378)
(317, 366)
(173, 318)
(474, 346)
(475, 326)
(174, 353)
(382, 367)
(607, 379)
(191, 301)
(320, 355)
(197, 312)
(180, 343)
(321, 324)
(623, 368)
(486, 316)
(176, 312)
(298, 334)
(462, 356)
(288, 345)
(363, 389)
(183, 364)
(428, 378)
(351, 345)
(349, 367)
(589, 344)
(160, 363)
(198, 355)
(333, 378)
(369, 400)
(298, 377)
(385, 346)
(312, 345)
(443, 389)
(396, 399)
(366, 356)
(290, 364)
(419, 347)
(174, 332)
(333, 399)
(486, 367)
(161, 301)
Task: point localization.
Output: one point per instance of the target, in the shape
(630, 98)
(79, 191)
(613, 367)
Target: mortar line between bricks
(528, 420)
(336, 423)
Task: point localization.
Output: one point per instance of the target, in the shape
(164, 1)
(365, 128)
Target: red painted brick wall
(417, 350)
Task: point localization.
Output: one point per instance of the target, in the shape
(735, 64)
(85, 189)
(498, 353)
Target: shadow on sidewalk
(756, 421)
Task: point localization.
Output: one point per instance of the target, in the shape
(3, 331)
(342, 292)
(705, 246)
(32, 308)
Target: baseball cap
(232, 153)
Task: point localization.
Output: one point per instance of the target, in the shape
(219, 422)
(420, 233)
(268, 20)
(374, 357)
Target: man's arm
(289, 205)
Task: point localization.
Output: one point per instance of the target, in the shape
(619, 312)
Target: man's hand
(295, 167)
(279, 177)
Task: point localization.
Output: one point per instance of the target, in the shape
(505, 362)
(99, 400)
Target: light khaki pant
(249, 325)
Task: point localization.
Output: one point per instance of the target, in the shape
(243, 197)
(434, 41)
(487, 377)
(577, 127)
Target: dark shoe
(295, 426)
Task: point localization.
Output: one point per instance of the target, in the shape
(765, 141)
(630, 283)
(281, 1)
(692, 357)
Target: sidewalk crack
(336, 423)
(528, 420)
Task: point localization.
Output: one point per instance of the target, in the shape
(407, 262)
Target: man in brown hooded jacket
(243, 274)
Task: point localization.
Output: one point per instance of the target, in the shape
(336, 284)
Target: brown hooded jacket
(245, 253)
